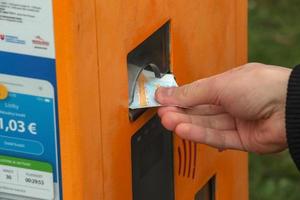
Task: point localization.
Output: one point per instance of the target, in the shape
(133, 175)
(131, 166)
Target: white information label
(26, 27)
(24, 183)
(22, 179)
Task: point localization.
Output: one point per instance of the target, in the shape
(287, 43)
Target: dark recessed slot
(153, 52)
(208, 191)
(135, 113)
(152, 162)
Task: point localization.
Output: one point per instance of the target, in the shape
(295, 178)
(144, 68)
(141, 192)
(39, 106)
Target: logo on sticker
(40, 43)
(12, 39)
(2, 36)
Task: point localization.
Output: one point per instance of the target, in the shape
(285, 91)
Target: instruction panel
(29, 130)
(26, 27)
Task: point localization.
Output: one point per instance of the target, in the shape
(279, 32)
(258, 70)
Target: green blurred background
(274, 38)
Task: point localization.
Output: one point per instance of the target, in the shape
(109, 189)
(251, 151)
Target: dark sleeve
(293, 115)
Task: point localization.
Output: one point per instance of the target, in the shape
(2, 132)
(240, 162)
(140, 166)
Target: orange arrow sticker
(3, 92)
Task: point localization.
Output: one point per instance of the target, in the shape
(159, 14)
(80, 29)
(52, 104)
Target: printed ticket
(144, 94)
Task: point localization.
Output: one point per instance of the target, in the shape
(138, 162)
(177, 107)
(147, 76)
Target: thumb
(204, 91)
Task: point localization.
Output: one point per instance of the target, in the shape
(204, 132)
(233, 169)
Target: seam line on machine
(100, 98)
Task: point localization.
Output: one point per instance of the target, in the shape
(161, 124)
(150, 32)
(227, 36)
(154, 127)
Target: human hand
(242, 109)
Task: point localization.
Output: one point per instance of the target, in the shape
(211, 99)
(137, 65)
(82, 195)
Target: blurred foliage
(274, 177)
(274, 27)
(274, 38)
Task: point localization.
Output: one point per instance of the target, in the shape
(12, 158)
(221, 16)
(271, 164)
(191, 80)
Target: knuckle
(210, 123)
(255, 68)
(223, 142)
(186, 91)
(217, 88)
(252, 65)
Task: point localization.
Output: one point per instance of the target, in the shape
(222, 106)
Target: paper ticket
(144, 94)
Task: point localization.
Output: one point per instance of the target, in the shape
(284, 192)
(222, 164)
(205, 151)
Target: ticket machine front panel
(205, 38)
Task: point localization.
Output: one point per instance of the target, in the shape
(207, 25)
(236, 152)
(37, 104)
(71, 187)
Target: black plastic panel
(152, 162)
(155, 49)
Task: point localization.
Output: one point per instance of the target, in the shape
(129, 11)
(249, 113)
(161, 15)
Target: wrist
(293, 115)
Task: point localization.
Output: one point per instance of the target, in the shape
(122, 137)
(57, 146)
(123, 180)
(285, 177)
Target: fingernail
(165, 92)
(162, 95)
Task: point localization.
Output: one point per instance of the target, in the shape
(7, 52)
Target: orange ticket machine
(72, 60)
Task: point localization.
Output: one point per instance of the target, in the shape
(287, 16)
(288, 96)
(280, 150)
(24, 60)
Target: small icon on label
(2, 36)
(3, 92)
(8, 177)
(32, 128)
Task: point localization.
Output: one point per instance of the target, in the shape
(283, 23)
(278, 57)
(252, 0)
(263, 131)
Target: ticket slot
(134, 72)
(152, 54)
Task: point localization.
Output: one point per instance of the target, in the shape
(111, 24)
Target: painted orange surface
(142, 91)
(93, 38)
